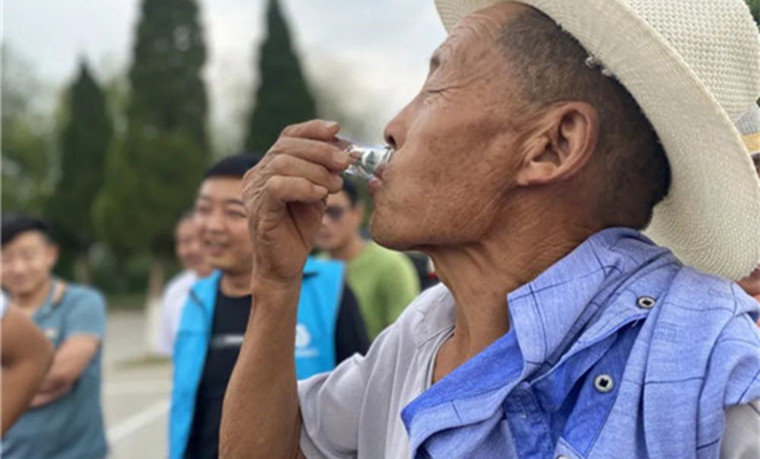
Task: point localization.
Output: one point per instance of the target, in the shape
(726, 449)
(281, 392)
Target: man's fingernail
(341, 158)
(331, 125)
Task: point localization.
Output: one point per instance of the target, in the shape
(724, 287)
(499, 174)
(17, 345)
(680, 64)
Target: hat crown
(717, 39)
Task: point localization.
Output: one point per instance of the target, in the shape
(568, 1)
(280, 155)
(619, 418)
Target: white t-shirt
(357, 406)
(172, 303)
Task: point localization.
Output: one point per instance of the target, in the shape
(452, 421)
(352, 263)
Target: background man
(384, 281)
(189, 250)
(26, 358)
(526, 167)
(329, 328)
(65, 420)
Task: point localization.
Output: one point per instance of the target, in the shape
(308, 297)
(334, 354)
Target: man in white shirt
(189, 250)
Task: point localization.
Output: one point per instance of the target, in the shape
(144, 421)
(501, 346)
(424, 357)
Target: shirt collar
(548, 315)
(549, 312)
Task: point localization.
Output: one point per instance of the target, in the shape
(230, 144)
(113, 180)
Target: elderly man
(545, 136)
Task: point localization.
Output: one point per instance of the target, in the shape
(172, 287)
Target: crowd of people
(55, 329)
(545, 142)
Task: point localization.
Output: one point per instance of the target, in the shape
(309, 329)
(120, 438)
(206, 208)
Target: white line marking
(136, 422)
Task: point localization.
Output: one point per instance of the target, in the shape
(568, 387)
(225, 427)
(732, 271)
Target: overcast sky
(369, 54)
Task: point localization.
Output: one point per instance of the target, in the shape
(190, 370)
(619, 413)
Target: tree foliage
(754, 7)
(26, 150)
(283, 95)
(154, 169)
(85, 136)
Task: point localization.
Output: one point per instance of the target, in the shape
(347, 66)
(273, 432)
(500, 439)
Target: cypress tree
(84, 139)
(283, 95)
(155, 167)
(26, 159)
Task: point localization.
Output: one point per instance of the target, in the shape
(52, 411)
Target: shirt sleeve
(402, 285)
(332, 403)
(350, 331)
(86, 316)
(741, 439)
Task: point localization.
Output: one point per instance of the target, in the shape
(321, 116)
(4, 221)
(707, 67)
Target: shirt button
(604, 383)
(646, 302)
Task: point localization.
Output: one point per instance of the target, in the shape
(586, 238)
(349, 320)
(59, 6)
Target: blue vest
(318, 306)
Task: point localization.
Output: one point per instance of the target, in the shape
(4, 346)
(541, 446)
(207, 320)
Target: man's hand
(285, 194)
(70, 361)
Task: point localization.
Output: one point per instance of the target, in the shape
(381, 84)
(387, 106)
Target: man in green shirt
(383, 281)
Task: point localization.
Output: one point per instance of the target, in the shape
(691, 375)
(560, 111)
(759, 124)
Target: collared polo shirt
(566, 381)
(70, 427)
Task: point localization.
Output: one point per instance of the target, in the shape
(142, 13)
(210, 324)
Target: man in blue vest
(213, 323)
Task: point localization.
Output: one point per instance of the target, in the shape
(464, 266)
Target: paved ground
(136, 391)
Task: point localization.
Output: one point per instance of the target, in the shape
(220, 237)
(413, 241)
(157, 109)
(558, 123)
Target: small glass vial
(368, 161)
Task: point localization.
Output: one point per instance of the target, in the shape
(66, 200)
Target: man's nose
(215, 222)
(395, 130)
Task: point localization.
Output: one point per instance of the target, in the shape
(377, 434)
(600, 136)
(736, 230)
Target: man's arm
(261, 417)
(26, 356)
(284, 196)
(70, 361)
(84, 324)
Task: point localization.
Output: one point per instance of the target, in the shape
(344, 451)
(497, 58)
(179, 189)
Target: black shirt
(229, 324)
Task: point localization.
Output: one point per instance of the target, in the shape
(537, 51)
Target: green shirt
(384, 282)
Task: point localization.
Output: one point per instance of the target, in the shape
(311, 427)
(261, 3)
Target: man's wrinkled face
(221, 220)
(188, 245)
(27, 262)
(340, 222)
(456, 140)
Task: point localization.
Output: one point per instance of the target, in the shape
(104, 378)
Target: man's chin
(220, 263)
(391, 239)
(26, 289)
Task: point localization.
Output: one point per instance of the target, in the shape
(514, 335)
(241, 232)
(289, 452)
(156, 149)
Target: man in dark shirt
(330, 327)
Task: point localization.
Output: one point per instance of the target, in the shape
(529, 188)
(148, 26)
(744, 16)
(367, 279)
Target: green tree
(754, 7)
(283, 95)
(27, 156)
(84, 139)
(156, 164)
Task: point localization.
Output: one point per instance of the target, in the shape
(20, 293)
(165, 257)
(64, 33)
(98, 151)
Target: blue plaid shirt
(616, 351)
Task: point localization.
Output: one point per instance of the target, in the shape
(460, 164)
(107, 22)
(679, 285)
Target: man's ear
(560, 144)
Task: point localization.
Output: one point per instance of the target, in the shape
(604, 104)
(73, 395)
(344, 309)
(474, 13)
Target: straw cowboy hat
(693, 66)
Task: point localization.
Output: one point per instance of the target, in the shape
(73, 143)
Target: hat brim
(711, 216)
